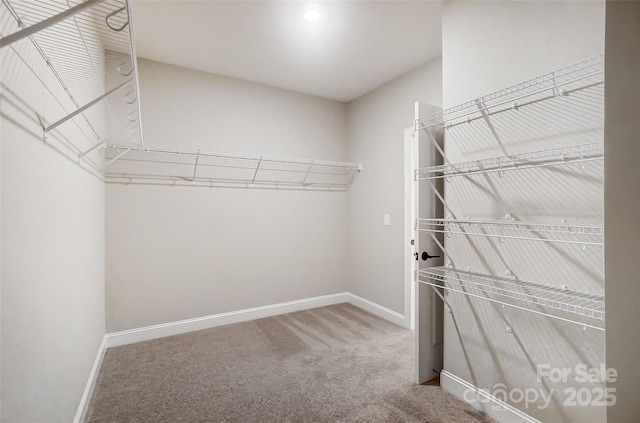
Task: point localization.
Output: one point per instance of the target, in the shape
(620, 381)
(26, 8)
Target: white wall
(53, 318)
(181, 252)
(622, 206)
(376, 138)
(488, 46)
(491, 45)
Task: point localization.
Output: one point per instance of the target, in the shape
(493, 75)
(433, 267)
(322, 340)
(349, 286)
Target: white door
(428, 308)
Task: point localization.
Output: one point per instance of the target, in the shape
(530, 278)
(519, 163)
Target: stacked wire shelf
(89, 48)
(561, 83)
(554, 299)
(554, 302)
(161, 165)
(549, 157)
(529, 231)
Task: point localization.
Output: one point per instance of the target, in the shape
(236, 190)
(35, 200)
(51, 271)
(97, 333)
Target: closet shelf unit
(555, 85)
(161, 165)
(510, 229)
(583, 308)
(586, 77)
(549, 157)
(89, 48)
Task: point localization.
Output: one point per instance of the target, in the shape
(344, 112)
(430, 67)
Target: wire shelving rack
(528, 231)
(561, 83)
(565, 90)
(555, 302)
(549, 157)
(161, 165)
(89, 47)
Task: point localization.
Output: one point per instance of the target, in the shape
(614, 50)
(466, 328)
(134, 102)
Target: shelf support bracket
(444, 203)
(483, 111)
(437, 146)
(83, 108)
(17, 36)
(253, 180)
(307, 174)
(116, 158)
(439, 244)
(81, 155)
(195, 168)
(439, 294)
(555, 90)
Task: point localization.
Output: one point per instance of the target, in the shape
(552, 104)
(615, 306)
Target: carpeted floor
(330, 364)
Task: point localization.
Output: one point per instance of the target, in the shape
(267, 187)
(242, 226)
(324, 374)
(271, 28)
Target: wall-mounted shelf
(156, 165)
(549, 126)
(524, 295)
(528, 231)
(561, 83)
(549, 157)
(89, 48)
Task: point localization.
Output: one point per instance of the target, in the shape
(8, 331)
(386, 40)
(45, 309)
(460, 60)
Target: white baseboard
(481, 400)
(91, 382)
(380, 311)
(147, 333)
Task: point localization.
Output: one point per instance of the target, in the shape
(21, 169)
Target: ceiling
(355, 47)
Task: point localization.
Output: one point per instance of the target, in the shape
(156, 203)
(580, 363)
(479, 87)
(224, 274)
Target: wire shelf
(561, 83)
(528, 231)
(542, 158)
(161, 165)
(534, 297)
(90, 49)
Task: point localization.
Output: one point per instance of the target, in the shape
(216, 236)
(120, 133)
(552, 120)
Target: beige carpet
(330, 364)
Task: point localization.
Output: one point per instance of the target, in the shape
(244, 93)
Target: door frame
(410, 164)
(421, 302)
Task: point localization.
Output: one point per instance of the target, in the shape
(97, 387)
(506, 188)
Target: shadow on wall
(534, 162)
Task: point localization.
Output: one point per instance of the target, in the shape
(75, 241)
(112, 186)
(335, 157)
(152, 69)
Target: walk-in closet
(349, 211)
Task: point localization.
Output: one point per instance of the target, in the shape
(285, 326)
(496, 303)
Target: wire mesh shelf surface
(530, 296)
(530, 231)
(549, 157)
(89, 47)
(558, 84)
(134, 164)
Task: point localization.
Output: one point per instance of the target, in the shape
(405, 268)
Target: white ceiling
(355, 47)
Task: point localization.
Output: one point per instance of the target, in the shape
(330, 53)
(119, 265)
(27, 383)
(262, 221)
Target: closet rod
(53, 70)
(85, 107)
(17, 36)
